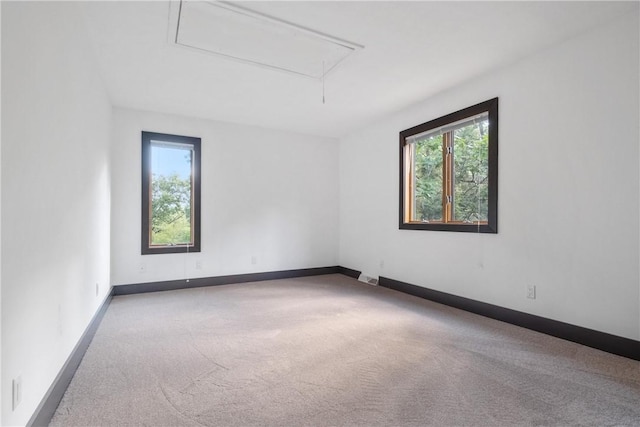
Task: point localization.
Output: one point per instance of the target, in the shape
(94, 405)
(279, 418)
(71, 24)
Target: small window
(449, 172)
(170, 193)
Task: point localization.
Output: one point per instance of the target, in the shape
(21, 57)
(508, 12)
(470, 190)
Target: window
(449, 172)
(170, 193)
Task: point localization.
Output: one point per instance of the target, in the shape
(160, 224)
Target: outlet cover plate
(531, 291)
(16, 392)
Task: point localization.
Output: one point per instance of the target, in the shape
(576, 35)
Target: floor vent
(368, 279)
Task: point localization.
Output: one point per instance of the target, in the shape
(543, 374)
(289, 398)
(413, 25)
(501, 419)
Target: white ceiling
(411, 50)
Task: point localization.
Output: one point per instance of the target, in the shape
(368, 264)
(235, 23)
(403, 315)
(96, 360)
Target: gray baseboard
(49, 403)
(170, 285)
(349, 272)
(600, 340)
(47, 407)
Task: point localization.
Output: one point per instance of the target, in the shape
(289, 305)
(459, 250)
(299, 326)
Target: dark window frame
(491, 225)
(146, 247)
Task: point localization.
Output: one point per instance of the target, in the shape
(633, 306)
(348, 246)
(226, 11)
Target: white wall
(56, 121)
(568, 189)
(0, 225)
(265, 194)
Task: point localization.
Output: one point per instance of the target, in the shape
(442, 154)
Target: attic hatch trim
(177, 23)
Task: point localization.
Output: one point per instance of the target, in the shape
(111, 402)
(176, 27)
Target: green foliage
(171, 210)
(471, 171)
(428, 172)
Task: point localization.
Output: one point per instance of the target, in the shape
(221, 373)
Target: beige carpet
(330, 351)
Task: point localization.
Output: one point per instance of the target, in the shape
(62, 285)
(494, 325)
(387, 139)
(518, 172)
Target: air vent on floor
(368, 279)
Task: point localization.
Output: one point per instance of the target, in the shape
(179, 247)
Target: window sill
(440, 226)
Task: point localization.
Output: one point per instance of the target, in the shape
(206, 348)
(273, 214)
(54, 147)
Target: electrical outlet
(97, 289)
(531, 291)
(381, 264)
(254, 259)
(199, 264)
(142, 268)
(16, 392)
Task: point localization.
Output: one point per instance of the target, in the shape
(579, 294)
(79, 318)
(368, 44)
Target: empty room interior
(320, 213)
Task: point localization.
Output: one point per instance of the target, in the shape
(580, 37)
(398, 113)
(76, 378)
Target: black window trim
(147, 137)
(490, 106)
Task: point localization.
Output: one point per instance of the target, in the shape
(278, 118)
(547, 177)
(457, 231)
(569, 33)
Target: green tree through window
(171, 193)
(471, 170)
(171, 196)
(448, 171)
(428, 179)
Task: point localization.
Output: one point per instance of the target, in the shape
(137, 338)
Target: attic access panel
(241, 34)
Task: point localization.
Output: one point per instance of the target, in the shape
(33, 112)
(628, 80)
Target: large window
(170, 193)
(449, 172)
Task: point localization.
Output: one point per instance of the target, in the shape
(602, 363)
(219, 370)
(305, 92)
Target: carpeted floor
(330, 351)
